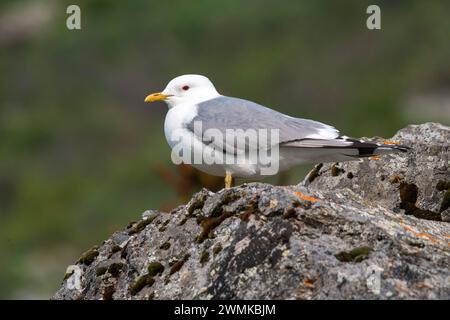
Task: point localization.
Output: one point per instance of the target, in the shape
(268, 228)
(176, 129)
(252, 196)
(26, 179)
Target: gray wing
(232, 113)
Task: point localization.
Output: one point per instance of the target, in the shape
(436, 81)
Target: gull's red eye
(185, 88)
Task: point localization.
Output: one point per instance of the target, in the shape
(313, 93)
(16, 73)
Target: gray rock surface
(362, 230)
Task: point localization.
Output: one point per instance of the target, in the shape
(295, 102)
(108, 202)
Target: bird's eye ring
(185, 88)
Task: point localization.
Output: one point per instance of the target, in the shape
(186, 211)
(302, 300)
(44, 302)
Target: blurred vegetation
(81, 154)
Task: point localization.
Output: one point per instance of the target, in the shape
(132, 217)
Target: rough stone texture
(362, 235)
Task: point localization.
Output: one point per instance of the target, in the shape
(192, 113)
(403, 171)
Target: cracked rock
(350, 231)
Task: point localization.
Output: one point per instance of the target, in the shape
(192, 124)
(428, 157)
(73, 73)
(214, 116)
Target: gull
(193, 99)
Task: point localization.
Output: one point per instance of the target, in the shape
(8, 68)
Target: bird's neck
(193, 100)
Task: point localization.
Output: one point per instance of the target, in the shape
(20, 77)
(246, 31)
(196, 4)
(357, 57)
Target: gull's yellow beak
(156, 97)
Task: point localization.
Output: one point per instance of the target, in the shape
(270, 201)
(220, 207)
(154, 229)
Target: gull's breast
(176, 120)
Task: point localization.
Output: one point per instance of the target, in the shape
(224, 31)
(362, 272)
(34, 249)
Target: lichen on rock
(357, 230)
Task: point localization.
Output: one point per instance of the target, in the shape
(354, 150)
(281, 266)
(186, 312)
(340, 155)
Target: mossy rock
(356, 255)
(204, 257)
(141, 225)
(89, 256)
(165, 246)
(115, 268)
(141, 282)
(155, 268)
(217, 248)
(101, 271)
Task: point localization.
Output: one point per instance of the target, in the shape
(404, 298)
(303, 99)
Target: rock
(445, 215)
(393, 181)
(361, 230)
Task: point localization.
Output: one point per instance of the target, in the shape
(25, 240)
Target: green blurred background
(81, 154)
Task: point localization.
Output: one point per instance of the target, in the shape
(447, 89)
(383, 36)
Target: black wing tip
(403, 148)
(370, 148)
(367, 146)
(399, 147)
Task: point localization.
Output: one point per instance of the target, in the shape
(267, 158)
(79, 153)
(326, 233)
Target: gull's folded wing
(232, 113)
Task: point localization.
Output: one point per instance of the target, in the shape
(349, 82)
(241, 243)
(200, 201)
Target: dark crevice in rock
(178, 264)
(445, 204)
(198, 202)
(183, 221)
(209, 224)
(109, 292)
(443, 185)
(251, 209)
(115, 268)
(408, 196)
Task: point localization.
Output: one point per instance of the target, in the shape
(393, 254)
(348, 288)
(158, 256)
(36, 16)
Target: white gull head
(186, 89)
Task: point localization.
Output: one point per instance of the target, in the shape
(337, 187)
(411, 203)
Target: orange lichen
(307, 198)
(309, 283)
(376, 158)
(421, 234)
(422, 285)
(390, 142)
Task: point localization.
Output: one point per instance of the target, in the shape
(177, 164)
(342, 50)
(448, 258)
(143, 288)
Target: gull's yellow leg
(228, 181)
